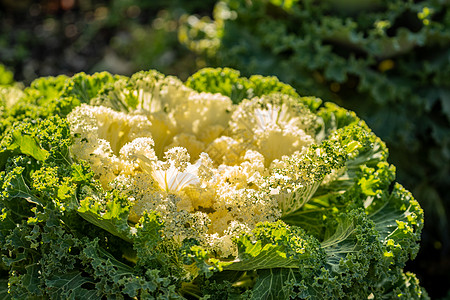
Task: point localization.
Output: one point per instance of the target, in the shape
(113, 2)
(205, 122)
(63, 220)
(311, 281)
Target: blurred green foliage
(387, 60)
(52, 37)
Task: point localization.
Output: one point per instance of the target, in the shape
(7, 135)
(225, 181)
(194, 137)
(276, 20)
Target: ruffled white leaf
(172, 180)
(273, 115)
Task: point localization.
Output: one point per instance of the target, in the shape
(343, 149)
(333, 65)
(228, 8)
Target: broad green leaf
(399, 222)
(17, 187)
(71, 284)
(85, 87)
(95, 252)
(113, 219)
(32, 280)
(272, 284)
(28, 145)
(273, 245)
(263, 257)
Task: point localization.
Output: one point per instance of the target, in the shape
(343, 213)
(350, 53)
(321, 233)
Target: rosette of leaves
(148, 187)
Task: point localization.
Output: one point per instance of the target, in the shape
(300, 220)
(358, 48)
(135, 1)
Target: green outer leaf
(224, 81)
(94, 252)
(228, 82)
(85, 87)
(399, 222)
(113, 220)
(341, 243)
(28, 145)
(271, 284)
(263, 257)
(274, 245)
(31, 280)
(17, 188)
(406, 286)
(66, 282)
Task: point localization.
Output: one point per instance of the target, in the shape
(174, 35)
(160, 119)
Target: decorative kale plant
(220, 187)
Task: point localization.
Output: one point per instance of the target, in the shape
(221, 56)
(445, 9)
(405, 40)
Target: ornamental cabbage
(219, 187)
